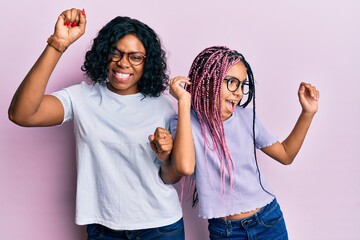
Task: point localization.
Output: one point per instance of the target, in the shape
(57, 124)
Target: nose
(238, 92)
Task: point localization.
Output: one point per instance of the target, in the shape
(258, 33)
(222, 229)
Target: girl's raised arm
(183, 153)
(286, 151)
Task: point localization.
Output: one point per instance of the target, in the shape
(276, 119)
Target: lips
(121, 77)
(230, 105)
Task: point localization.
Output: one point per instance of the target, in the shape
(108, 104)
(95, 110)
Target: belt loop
(228, 228)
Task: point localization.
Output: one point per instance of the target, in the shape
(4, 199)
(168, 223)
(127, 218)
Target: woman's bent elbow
(18, 120)
(13, 118)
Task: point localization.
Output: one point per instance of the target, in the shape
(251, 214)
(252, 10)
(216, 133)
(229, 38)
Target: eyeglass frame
(241, 84)
(122, 54)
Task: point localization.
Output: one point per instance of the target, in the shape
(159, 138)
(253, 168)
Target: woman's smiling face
(123, 76)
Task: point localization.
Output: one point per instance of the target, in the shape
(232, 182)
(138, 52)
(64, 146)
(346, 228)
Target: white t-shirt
(118, 182)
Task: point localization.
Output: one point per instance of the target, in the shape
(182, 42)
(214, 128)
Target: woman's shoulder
(164, 99)
(82, 86)
(162, 103)
(81, 90)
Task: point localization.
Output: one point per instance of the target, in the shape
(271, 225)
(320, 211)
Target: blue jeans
(268, 223)
(173, 231)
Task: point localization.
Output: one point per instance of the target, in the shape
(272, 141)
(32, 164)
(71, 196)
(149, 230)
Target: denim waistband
(253, 219)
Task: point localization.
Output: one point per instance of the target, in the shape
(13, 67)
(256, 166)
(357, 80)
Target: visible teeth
(123, 75)
(232, 102)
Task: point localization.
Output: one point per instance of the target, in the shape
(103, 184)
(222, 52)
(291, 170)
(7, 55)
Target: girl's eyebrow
(229, 76)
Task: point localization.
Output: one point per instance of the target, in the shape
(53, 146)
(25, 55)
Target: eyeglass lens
(233, 84)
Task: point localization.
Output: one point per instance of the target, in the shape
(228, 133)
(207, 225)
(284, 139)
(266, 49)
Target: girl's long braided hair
(207, 72)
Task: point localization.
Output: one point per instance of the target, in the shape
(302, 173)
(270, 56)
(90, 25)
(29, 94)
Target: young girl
(121, 124)
(234, 198)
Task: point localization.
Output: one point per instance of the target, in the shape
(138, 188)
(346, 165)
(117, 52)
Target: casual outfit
(268, 223)
(217, 198)
(118, 182)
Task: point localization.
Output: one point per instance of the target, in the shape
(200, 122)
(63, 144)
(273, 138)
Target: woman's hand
(161, 143)
(70, 26)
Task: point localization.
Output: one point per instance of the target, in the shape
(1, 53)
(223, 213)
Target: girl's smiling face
(229, 100)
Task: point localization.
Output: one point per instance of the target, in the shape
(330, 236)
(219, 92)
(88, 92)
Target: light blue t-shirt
(246, 193)
(118, 182)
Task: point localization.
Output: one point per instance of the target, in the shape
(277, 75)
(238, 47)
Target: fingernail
(83, 12)
(73, 24)
(66, 23)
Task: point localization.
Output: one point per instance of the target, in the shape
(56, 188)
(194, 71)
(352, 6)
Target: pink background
(285, 43)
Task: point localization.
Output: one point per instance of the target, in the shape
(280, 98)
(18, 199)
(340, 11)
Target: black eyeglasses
(234, 84)
(134, 58)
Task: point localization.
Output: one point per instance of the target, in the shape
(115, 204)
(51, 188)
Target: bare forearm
(182, 160)
(286, 151)
(167, 172)
(29, 106)
(183, 154)
(294, 141)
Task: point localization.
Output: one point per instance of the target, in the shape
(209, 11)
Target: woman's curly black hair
(155, 78)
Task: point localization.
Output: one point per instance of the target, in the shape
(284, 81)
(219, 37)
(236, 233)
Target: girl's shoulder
(244, 113)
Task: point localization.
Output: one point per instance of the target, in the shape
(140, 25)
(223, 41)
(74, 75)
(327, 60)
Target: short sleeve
(263, 137)
(64, 97)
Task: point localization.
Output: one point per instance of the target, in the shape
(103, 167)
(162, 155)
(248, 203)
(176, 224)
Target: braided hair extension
(208, 70)
(252, 97)
(208, 67)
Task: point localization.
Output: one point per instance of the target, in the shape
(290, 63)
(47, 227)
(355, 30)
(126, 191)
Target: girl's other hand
(308, 97)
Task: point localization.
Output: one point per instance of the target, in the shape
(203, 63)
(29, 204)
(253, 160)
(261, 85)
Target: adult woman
(120, 124)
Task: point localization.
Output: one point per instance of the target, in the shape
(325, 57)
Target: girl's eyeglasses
(234, 84)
